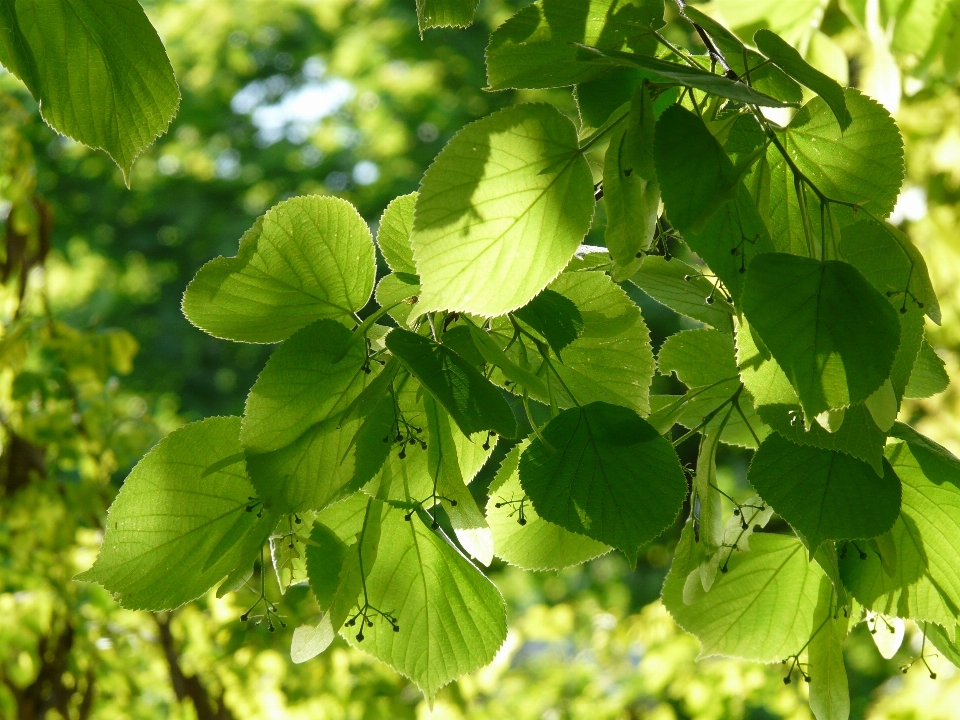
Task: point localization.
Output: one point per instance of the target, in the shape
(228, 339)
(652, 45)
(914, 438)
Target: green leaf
(536, 544)
(684, 290)
(466, 518)
(598, 99)
(791, 62)
(925, 584)
(766, 78)
(303, 452)
(929, 376)
(306, 258)
(711, 208)
(694, 77)
(862, 165)
(452, 619)
(631, 192)
(493, 354)
(395, 288)
(409, 477)
(326, 556)
(706, 408)
(501, 211)
(534, 48)
(445, 13)
(832, 333)
(338, 564)
(555, 317)
(941, 641)
(472, 401)
(607, 474)
(682, 141)
(761, 609)
(891, 262)
(814, 490)
(698, 357)
(393, 235)
(793, 20)
(165, 541)
(829, 692)
(98, 70)
(612, 360)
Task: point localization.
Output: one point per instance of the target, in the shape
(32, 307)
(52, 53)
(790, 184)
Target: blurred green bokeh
(289, 97)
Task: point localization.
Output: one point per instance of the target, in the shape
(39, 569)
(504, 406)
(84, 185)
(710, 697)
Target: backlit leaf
(174, 532)
(451, 619)
(306, 258)
(501, 211)
(761, 609)
(98, 70)
(534, 48)
(682, 289)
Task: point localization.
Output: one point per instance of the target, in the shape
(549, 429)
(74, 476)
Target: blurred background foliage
(287, 97)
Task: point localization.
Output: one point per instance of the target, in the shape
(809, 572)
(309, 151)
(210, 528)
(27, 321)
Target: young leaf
(832, 333)
(165, 541)
(445, 13)
(306, 258)
(393, 235)
(929, 376)
(924, 585)
(520, 536)
(97, 69)
(684, 290)
(501, 211)
(555, 317)
(604, 472)
(761, 609)
(472, 400)
(824, 495)
(303, 452)
(829, 692)
(631, 192)
(791, 62)
(891, 262)
(535, 48)
(451, 619)
(862, 165)
(698, 357)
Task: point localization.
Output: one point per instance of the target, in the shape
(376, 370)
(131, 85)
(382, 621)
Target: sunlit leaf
(306, 258)
(174, 531)
(501, 211)
(97, 69)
